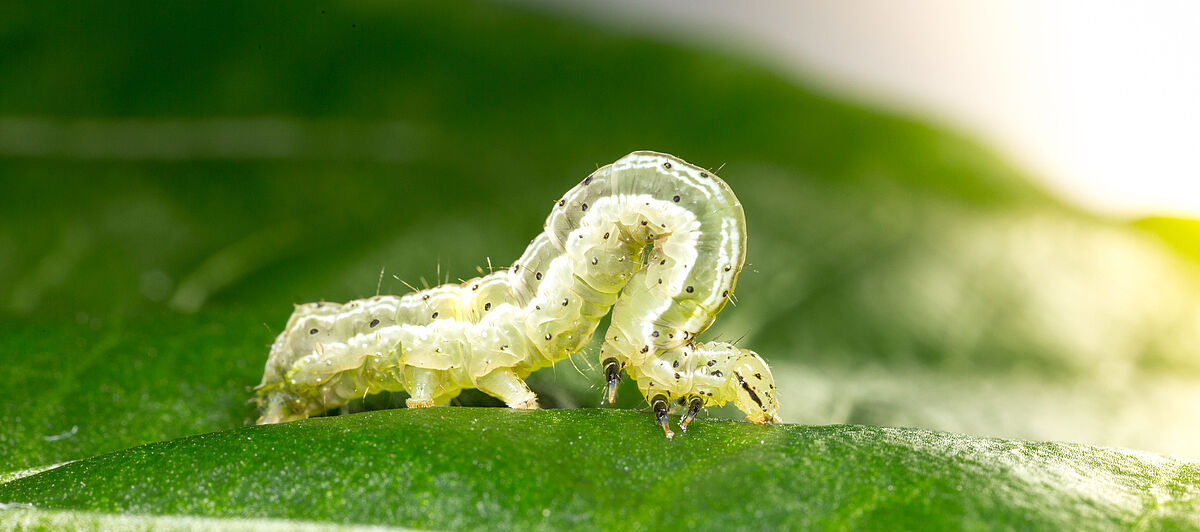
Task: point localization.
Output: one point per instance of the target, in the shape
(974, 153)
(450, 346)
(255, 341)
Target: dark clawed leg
(694, 406)
(661, 408)
(612, 378)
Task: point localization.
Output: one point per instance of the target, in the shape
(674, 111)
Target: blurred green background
(173, 177)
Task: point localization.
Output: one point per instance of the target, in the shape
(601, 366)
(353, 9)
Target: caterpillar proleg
(493, 331)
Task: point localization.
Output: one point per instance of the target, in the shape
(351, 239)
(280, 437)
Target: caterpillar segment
(656, 240)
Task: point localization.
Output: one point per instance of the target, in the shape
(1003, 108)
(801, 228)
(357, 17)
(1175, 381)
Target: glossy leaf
(461, 468)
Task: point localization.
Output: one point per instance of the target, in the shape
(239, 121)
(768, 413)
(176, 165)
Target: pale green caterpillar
(491, 332)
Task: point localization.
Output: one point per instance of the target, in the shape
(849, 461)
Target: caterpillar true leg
(505, 385)
(661, 407)
(694, 404)
(612, 378)
(491, 331)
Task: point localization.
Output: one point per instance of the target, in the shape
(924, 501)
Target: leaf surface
(460, 468)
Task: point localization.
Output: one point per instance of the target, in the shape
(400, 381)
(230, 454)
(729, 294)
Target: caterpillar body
(493, 331)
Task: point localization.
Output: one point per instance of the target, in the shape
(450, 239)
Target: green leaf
(26, 518)
(462, 468)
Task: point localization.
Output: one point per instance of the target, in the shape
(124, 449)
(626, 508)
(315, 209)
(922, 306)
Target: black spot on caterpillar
(497, 329)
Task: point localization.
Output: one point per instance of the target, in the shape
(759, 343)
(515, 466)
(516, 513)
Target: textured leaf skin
(460, 468)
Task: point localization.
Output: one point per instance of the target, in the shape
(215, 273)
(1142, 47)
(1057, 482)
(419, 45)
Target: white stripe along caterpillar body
(491, 332)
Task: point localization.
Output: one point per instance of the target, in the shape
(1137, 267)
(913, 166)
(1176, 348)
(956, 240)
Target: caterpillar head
(753, 387)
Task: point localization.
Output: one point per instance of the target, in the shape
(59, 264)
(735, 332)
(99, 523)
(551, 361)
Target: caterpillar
(655, 239)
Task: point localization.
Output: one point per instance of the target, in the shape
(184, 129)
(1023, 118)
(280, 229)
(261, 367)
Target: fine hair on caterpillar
(656, 240)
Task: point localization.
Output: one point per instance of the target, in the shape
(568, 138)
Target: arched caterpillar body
(491, 332)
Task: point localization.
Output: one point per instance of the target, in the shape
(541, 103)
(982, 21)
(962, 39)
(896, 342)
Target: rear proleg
(505, 385)
(427, 387)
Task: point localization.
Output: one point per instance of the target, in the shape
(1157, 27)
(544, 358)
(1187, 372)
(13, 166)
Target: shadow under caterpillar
(493, 331)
